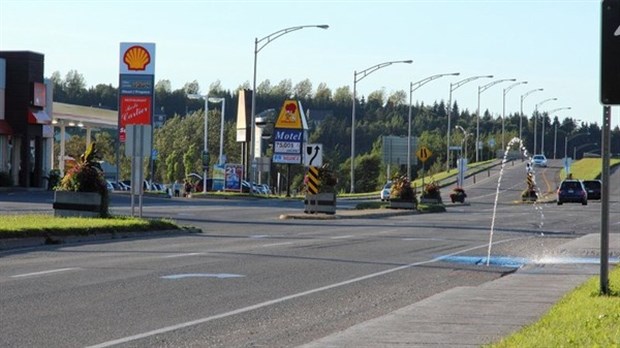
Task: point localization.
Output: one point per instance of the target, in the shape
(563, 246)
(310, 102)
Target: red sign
(135, 110)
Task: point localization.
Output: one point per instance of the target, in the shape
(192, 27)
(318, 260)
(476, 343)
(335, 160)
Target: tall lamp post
(259, 44)
(412, 87)
(453, 87)
(542, 133)
(523, 96)
(569, 138)
(480, 90)
(536, 119)
(357, 77)
(221, 154)
(506, 90)
(205, 149)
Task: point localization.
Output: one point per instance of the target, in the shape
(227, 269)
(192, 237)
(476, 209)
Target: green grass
(588, 168)
(583, 318)
(20, 226)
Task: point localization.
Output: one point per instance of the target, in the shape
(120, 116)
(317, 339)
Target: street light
(506, 90)
(259, 44)
(577, 148)
(465, 135)
(542, 133)
(221, 154)
(536, 119)
(358, 76)
(480, 90)
(412, 87)
(523, 96)
(453, 87)
(205, 150)
(569, 138)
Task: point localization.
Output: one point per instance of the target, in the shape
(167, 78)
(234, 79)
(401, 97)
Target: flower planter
(457, 197)
(81, 204)
(428, 200)
(529, 196)
(402, 204)
(320, 203)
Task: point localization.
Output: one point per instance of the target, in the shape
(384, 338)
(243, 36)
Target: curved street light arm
(491, 84)
(374, 68)
(415, 85)
(258, 46)
(507, 89)
(550, 112)
(530, 92)
(454, 86)
(544, 101)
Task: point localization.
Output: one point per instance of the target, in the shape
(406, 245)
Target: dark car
(593, 187)
(572, 191)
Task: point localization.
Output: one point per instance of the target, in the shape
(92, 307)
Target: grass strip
(21, 226)
(582, 318)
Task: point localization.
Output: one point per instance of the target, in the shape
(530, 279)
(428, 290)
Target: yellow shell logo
(137, 58)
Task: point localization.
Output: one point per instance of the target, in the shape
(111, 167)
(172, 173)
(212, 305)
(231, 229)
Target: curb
(19, 243)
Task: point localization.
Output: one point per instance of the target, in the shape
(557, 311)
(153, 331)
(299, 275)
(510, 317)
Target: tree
(163, 87)
(75, 86)
(192, 87)
(303, 90)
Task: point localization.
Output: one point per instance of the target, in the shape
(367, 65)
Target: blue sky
(553, 45)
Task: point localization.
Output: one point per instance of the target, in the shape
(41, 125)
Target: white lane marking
(341, 237)
(203, 275)
(282, 299)
(181, 255)
(259, 236)
(276, 244)
(427, 239)
(44, 272)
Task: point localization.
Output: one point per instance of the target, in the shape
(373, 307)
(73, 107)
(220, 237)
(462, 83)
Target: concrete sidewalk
(474, 316)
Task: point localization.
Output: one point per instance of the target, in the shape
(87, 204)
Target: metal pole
(555, 140)
(503, 117)
(535, 127)
(605, 152)
(478, 124)
(353, 134)
(222, 131)
(253, 113)
(449, 127)
(205, 148)
(409, 133)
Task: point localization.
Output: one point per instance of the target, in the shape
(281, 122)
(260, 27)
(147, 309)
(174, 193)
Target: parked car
(539, 161)
(385, 192)
(572, 191)
(593, 187)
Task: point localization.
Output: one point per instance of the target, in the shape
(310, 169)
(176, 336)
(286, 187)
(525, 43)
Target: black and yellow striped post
(530, 181)
(313, 180)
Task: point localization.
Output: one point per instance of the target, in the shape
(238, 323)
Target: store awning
(38, 117)
(5, 128)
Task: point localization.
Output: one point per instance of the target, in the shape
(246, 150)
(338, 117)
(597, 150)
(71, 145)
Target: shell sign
(137, 58)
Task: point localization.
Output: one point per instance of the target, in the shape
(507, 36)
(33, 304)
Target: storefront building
(25, 124)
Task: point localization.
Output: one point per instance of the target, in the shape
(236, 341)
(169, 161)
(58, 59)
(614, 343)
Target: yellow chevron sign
(313, 180)
(423, 153)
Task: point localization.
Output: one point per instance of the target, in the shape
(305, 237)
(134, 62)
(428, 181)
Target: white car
(539, 161)
(385, 192)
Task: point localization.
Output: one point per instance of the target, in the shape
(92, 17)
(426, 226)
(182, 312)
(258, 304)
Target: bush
(401, 188)
(87, 176)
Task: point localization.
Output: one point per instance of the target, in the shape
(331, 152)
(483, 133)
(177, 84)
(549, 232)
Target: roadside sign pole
(605, 200)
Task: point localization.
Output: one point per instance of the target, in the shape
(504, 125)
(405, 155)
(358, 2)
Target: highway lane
(252, 279)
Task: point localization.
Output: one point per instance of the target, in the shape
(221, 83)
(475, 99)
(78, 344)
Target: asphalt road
(251, 279)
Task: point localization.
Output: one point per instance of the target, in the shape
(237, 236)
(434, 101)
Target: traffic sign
(610, 52)
(423, 153)
(313, 155)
